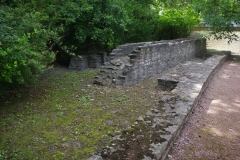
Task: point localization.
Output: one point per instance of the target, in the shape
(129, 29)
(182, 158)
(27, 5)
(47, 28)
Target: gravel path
(213, 129)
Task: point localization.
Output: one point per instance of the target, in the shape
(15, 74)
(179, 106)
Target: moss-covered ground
(65, 116)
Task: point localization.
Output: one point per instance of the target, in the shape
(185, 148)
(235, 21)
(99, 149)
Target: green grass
(65, 116)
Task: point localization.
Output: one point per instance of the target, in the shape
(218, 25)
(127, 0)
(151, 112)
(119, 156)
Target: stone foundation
(78, 63)
(131, 63)
(85, 61)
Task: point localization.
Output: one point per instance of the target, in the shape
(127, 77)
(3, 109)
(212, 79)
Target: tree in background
(176, 19)
(220, 15)
(140, 22)
(31, 30)
(173, 23)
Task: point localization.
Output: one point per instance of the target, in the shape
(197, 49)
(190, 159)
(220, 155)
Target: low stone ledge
(151, 136)
(193, 78)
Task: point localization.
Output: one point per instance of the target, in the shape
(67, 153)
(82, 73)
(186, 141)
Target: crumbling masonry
(133, 62)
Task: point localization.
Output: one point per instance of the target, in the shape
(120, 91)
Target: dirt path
(213, 129)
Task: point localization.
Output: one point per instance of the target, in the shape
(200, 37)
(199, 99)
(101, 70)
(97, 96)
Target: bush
(220, 16)
(174, 24)
(84, 25)
(140, 24)
(23, 51)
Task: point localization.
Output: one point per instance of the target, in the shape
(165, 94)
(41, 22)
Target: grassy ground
(65, 116)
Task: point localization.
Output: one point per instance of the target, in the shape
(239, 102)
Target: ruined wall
(78, 63)
(89, 60)
(131, 63)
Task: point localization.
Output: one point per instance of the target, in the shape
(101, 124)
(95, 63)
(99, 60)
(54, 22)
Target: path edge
(196, 103)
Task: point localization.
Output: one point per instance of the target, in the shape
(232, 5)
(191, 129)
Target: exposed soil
(213, 129)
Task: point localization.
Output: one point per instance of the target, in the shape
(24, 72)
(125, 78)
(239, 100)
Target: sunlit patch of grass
(65, 116)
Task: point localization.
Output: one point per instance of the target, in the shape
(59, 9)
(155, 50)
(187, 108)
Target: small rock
(123, 122)
(155, 110)
(109, 122)
(166, 97)
(166, 105)
(52, 147)
(106, 64)
(66, 144)
(118, 64)
(117, 137)
(77, 145)
(140, 118)
(169, 156)
(148, 122)
(149, 113)
(147, 158)
(95, 157)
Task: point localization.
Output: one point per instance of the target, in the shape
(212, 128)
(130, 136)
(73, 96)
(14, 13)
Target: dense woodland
(34, 32)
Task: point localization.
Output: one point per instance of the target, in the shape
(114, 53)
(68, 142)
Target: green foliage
(220, 15)
(23, 52)
(83, 25)
(140, 25)
(175, 23)
(177, 4)
(97, 25)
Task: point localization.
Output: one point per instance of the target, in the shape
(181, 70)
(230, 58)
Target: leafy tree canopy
(220, 15)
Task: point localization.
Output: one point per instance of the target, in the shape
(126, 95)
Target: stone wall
(85, 61)
(78, 63)
(131, 63)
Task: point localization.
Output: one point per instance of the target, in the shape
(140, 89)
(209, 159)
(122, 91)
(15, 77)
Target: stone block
(96, 60)
(78, 62)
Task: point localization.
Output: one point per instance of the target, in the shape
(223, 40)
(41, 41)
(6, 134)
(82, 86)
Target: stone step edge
(195, 104)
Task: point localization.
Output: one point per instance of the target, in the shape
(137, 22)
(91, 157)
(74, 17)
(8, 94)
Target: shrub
(174, 23)
(23, 51)
(140, 24)
(85, 25)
